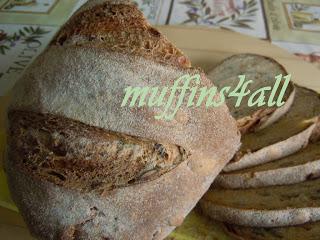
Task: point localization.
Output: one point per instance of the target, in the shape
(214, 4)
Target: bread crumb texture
(120, 27)
(289, 125)
(301, 195)
(78, 156)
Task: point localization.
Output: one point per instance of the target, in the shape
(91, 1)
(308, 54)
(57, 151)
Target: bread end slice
(262, 70)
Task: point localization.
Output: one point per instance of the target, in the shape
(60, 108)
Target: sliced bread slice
(285, 137)
(308, 231)
(273, 206)
(262, 71)
(295, 168)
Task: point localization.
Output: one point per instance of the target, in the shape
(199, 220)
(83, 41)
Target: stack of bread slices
(271, 188)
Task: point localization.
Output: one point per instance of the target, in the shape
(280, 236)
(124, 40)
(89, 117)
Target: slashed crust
(81, 77)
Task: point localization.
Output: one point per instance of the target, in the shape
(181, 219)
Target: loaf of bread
(262, 71)
(80, 166)
(287, 136)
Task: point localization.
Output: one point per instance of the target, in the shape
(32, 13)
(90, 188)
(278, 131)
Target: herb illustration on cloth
(303, 17)
(156, 11)
(240, 15)
(224, 11)
(19, 46)
(293, 21)
(31, 6)
(24, 36)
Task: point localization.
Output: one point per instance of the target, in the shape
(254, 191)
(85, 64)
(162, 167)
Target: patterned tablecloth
(26, 26)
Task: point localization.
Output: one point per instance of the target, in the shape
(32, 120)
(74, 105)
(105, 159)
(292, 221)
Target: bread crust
(281, 176)
(149, 210)
(305, 231)
(85, 83)
(119, 26)
(266, 117)
(273, 206)
(78, 96)
(261, 218)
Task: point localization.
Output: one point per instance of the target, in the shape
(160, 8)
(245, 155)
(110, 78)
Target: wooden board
(205, 47)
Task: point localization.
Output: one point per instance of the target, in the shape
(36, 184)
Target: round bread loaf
(82, 167)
